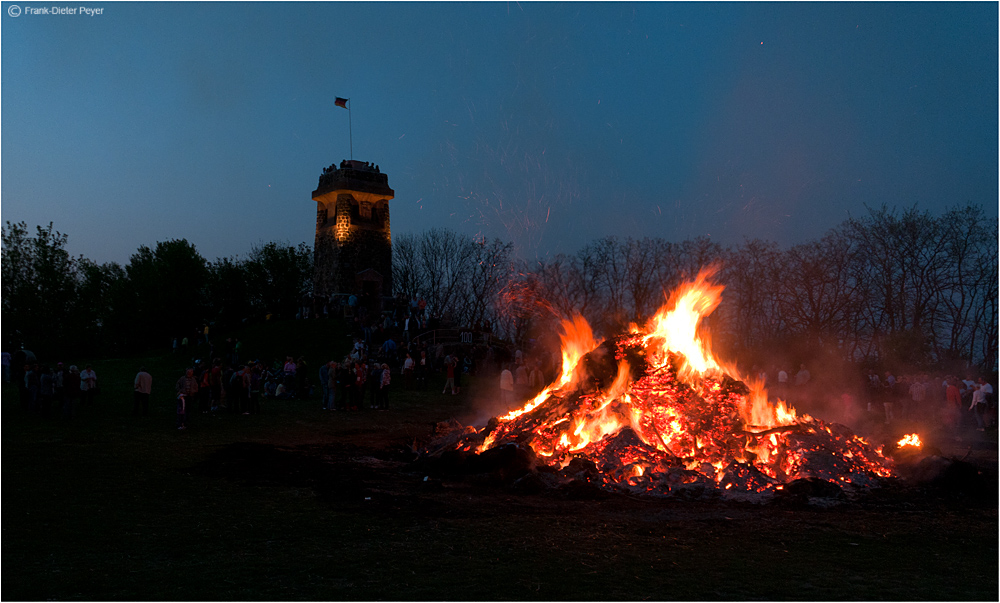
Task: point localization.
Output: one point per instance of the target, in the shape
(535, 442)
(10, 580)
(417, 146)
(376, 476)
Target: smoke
(839, 391)
(541, 349)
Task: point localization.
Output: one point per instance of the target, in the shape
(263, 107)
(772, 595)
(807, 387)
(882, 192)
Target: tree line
(891, 287)
(901, 287)
(54, 303)
(895, 288)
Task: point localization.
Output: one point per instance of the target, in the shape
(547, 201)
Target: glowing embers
(655, 412)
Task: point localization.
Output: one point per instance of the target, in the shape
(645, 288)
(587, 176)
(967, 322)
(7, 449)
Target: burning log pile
(652, 412)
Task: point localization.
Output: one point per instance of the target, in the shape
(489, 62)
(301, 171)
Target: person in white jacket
(506, 386)
(979, 406)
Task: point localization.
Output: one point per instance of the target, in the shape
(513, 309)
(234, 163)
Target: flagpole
(346, 104)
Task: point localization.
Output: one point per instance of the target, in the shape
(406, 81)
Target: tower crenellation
(353, 249)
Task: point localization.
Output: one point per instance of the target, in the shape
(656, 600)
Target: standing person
(254, 378)
(978, 405)
(72, 384)
(490, 360)
(31, 385)
(143, 385)
(889, 397)
(182, 411)
(761, 375)
(204, 376)
(990, 418)
(331, 385)
(506, 386)
(918, 393)
(375, 384)
(383, 392)
(521, 381)
(238, 388)
(187, 390)
(88, 385)
(324, 384)
(408, 366)
(227, 396)
(782, 390)
(874, 390)
(289, 375)
(389, 349)
(59, 381)
(247, 375)
(458, 372)
(449, 369)
(802, 377)
(46, 389)
(967, 386)
(421, 370)
(953, 397)
(439, 357)
(536, 381)
(346, 376)
(360, 378)
(407, 325)
(18, 368)
(215, 383)
(301, 379)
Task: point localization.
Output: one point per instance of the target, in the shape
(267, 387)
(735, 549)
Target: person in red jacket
(449, 366)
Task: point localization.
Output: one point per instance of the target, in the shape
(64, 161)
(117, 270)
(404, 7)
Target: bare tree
(819, 296)
(610, 276)
(445, 260)
(753, 275)
(971, 280)
(641, 278)
(927, 276)
(872, 286)
(490, 272)
(406, 277)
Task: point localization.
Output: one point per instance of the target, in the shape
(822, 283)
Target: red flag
(341, 102)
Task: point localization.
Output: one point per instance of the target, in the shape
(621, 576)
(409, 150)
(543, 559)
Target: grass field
(302, 504)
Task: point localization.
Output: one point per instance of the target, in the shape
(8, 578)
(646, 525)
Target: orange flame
(577, 339)
(912, 439)
(684, 408)
(675, 327)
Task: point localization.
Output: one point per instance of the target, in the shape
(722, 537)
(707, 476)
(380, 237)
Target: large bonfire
(653, 411)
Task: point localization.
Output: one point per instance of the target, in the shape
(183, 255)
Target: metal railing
(455, 336)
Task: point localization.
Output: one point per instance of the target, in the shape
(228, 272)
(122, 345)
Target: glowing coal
(653, 411)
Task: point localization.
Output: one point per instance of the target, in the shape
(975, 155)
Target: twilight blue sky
(547, 124)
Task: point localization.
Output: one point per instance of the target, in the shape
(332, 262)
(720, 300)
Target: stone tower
(353, 249)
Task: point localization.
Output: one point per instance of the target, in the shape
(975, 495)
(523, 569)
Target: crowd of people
(388, 349)
(953, 401)
(229, 387)
(61, 389)
(945, 399)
